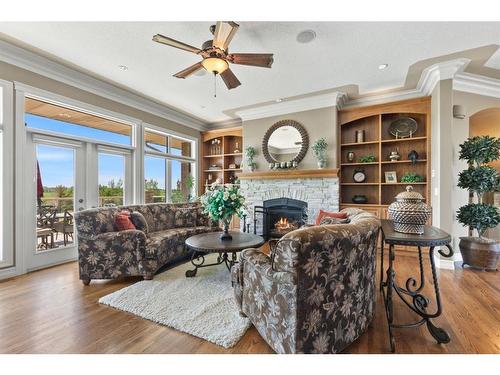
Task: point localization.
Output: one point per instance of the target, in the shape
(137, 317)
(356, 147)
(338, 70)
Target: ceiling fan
(216, 56)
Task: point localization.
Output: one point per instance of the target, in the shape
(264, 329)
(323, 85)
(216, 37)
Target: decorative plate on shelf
(403, 127)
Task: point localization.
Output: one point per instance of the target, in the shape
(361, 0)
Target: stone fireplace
(317, 189)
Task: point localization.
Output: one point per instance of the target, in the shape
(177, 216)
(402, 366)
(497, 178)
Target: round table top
(211, 242)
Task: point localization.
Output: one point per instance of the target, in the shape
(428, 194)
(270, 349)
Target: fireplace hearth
(280, 216)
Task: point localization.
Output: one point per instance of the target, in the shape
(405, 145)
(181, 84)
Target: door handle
(80, 200)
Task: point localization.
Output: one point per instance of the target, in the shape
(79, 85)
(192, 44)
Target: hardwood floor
(50, 311)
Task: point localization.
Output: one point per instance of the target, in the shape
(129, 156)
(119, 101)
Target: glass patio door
(57, 167)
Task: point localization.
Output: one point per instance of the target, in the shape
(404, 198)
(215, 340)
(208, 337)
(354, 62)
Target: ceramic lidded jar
(409, 213)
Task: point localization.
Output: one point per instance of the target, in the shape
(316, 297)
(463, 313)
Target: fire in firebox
(283, 226)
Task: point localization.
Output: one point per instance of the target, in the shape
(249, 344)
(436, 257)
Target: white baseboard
(446, 264)
(7, 273)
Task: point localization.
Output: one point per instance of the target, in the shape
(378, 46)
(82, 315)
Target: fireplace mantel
(289, 174)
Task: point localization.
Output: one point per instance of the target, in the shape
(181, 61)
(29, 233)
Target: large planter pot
(480, 253)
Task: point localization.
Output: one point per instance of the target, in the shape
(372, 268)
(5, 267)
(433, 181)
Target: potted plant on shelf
(479, 178)
(250, 153)
(221, 202)
(319, 149)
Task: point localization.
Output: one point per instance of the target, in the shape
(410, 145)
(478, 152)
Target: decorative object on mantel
(413, 156)
(360, 136)
(478, 179)
(391, 177)
(403, 127)
(350, 156)
(409, 213)
(359, 175)
(367, 159)
(319, 149)
(283, 165)
(410, 177)
(285, 141)
(221, 202)
(359, 199)
(394, 155)
(250, 153)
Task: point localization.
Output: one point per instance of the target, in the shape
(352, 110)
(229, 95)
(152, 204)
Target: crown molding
(38, 64)
(476, 84)
(291, 106)
(231, 123)
(428, 80)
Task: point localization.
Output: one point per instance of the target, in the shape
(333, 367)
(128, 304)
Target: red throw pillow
(337, 215)
(123, 222)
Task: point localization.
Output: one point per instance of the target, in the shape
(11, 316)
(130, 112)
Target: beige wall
(318, 123)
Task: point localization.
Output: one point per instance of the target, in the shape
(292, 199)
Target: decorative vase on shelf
(350, 156)
(226, 236)
(321, 163)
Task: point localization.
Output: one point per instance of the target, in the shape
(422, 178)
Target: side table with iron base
(410, 293)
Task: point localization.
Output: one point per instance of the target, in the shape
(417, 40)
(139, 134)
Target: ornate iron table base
(410, 294)
(198, 261)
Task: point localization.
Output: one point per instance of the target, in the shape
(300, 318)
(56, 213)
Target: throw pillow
(122, 221)
(333, 220)
(139, 221)
(322, 214)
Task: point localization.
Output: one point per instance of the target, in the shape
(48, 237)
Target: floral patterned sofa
(316, 292)
(104, 253)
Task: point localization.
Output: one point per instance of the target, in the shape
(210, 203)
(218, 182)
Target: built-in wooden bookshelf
(220, 151)
(375, 122)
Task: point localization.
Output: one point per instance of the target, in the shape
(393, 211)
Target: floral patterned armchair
(316, 292)
(105, 253)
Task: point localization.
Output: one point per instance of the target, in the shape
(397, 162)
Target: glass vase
(226, 236)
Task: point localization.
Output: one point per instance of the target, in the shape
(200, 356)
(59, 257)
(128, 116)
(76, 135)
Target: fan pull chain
(215, 84)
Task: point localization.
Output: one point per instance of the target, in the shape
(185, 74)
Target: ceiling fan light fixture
(215, 65)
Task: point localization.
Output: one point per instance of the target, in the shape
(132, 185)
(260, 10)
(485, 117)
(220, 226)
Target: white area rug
(202, 306)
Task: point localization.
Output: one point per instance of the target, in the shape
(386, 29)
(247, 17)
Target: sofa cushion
(139, 221)
(169, 244)
(185, 217)
(122, 221)
(334, 220)
(322, 214)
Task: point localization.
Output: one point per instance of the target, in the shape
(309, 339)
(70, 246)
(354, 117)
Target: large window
(169, 168)
(50, 117)
(111, 168)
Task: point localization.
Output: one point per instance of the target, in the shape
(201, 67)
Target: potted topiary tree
(319, 149)
(479, 178)
(250, 154)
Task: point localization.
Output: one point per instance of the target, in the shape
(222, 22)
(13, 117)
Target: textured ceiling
(342, 54)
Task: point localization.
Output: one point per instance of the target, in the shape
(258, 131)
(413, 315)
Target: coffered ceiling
(342, 55)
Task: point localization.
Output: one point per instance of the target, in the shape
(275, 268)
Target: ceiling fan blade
(264, 60)
(188, 71)
(230, 79)
(175, 43)
(224, 33)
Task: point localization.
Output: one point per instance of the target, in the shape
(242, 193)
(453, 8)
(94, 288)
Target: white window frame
(7, 256)
(169, 157)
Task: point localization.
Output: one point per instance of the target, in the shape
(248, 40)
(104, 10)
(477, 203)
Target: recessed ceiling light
(306, 36)
(123, 67)
(383, 66)
(279, 100)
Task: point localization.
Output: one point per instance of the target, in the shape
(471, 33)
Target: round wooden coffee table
(208, 243)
